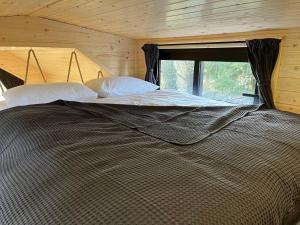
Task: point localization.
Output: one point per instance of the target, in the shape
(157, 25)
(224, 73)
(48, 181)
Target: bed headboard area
(48, 65)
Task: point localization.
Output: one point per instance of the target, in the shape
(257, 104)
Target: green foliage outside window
(177, 75)
(224, 81)
(227, 81)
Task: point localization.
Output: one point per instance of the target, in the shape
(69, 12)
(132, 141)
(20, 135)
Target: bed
(155, 162)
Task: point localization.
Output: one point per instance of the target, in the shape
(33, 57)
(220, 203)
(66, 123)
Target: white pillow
(45, 93)
(120, 86)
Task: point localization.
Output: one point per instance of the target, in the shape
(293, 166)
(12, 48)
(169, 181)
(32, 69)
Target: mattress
(82, 163)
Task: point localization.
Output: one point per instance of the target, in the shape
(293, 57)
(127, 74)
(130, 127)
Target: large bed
(125, 161)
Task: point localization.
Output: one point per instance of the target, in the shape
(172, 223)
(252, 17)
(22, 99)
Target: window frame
(199, 55)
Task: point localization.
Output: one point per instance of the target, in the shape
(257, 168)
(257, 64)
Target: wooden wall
(17, 66)
(114, 54)
(54, 63)
(286, 77)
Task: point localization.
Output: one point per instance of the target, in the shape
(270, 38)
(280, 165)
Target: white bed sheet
(155, 98)
(161, 98)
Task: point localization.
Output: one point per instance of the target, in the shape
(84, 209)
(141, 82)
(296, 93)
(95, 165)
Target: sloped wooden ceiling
(113, 53)
(162, 18)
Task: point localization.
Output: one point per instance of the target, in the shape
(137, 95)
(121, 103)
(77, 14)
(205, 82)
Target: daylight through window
(219, 74)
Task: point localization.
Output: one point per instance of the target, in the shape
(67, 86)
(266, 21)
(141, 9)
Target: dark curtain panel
(9, 80)
(151, 57)
(262, 56)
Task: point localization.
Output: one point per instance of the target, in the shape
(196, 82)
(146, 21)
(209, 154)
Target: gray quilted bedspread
(73, 163)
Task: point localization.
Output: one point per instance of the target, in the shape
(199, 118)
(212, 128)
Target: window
(177, 75)
(227, 81)
(222, 74)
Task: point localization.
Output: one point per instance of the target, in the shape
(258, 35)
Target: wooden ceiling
(141, 19)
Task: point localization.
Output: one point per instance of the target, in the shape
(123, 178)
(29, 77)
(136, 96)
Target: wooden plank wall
(114, 54)
(15, 65)
(54, 63)
(286, 77)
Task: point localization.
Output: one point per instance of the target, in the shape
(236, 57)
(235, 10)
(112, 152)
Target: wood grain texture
(113, 54)
(162, 18)
(54, 63)
(286, 77)
(17, 66)
(23, 7)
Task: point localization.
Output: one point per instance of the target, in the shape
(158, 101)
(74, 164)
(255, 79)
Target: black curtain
(9, 80)
(151, 57)
(262, 56)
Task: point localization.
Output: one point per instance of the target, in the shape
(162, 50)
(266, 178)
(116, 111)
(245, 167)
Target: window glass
(177, 75)
(227, 81)
(222, 74)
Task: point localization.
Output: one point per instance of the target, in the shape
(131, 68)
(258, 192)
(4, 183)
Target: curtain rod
(204, 43)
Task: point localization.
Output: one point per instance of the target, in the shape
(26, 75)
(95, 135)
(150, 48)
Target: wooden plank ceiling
(140, 19)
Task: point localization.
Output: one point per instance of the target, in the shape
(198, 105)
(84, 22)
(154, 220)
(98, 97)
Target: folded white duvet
(161, 98)
(154, 98)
